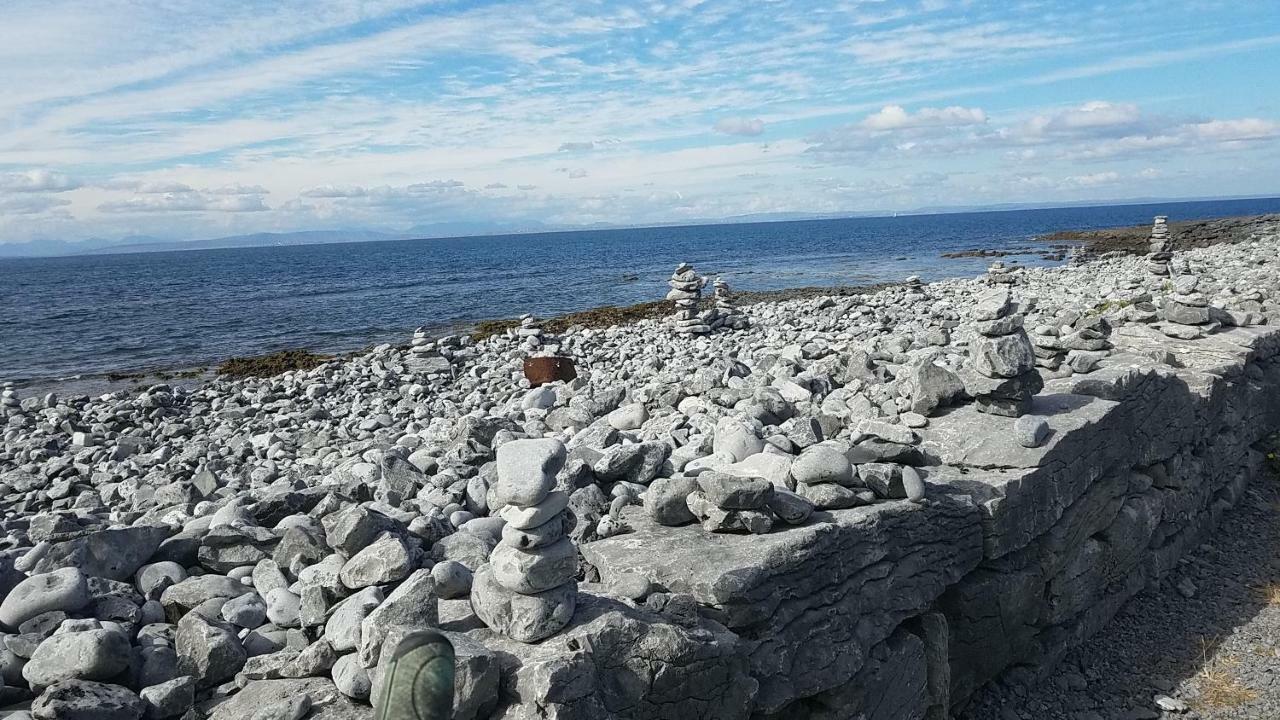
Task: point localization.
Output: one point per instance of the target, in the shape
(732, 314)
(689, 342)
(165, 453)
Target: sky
(185, 119)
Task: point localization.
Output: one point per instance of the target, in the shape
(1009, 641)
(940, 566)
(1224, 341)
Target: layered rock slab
(813, 600)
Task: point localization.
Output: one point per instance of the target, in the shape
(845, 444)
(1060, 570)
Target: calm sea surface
(62, 317)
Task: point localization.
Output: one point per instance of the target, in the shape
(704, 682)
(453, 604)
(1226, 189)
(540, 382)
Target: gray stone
(452, 579)
(65, 589)
(87, 700)
(557, 527)
(790, 507)
(993, 305)
(1003, 357)
(414, 602)
(351, 678)
(386, 560)
(821, 464)
(344, 625)
(169, 699)
(208, 651)
(729, 492)
(87, 655)
(246, 611)
(524, 618)
(114, 553)
(152, 579)
(665, 500)
(523, 518)
(527, 470)
(736, 439)
(830, 496)
(535, 570)
(1031, 430)
(284, 609)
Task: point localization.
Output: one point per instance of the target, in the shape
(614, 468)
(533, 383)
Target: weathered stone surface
(86, 655)
(64, 589)
(795, 592)
(87, 700)
(208, 651)
(671, 673)
(527, 470)
(534, 570)
(729, 492)
(665, 500)
(115, 553)
(524, 618)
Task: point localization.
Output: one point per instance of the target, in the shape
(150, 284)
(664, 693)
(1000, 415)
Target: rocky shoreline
(253, 545)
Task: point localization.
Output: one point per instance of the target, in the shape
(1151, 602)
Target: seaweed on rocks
(271, 364)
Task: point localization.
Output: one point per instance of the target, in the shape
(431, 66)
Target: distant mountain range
(142, 244)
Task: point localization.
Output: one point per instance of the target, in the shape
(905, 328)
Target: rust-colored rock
(543, 370)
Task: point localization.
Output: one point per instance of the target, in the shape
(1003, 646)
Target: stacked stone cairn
(1001, 374)
(686, 291)
(1081, 340)
(9, 401)
(1187, 314)
(1161, 248)
(725, 314)
(528, 590)
(534, 339)
(428, 356)
(1000, 274)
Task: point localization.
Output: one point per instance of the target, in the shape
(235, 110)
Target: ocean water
(89, 315)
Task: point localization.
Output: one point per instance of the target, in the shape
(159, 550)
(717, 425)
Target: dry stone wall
(903, 610)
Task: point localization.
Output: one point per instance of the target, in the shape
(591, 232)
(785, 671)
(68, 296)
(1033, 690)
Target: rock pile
(1161, 247)
(425, 355)
(725, 314)
(1000, 274)
(1186, 312)
(534, 339)
(528, 589)
(260, 541)
(686, 291)
(1001, 375)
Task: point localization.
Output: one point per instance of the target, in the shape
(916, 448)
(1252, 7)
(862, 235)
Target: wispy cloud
(119, 117)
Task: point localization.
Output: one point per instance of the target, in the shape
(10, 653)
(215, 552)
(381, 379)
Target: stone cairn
(1161, 248)
(1000, 274)
(686, 291)
(427, 355)
(528, 590)
(9, 401)
(1001, 374)
(533, 338)
(1186, 312)
(726, 312)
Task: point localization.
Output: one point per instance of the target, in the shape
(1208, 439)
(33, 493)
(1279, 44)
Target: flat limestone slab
(812, 599)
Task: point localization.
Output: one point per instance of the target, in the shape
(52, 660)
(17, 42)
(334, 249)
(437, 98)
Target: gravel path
(1204, 644)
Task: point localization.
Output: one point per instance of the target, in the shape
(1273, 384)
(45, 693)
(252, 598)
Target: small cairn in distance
(1000, 274)
(533, 338)
(1160, 246)
(686, 292)
(725, 314)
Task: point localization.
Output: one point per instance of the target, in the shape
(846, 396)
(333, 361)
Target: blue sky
(188, 119)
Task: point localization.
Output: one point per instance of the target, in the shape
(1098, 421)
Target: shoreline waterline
(1037, 251)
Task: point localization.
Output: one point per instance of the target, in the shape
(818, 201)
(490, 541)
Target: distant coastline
(455, 230)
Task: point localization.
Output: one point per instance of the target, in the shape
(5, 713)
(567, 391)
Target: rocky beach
(875, 501)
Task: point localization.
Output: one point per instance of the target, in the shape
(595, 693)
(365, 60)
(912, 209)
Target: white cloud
(39, 180)
(894, 117)
(740, 126)
(29, 204)
(221, 200)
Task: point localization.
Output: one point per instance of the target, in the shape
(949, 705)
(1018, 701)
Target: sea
(70, 319)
